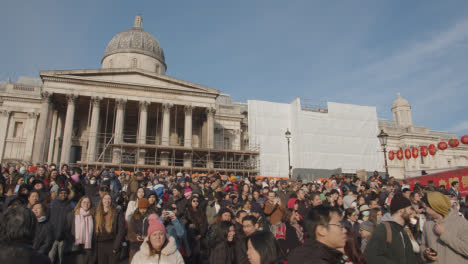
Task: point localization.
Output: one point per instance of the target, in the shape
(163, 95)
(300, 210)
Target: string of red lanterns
(426, 150)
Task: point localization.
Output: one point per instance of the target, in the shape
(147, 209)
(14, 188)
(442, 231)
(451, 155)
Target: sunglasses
(195, 201)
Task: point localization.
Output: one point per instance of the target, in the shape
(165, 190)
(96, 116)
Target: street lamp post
(288, 137)
(383, 141)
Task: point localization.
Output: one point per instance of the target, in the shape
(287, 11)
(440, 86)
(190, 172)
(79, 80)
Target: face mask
(366, 213)
(92, 181)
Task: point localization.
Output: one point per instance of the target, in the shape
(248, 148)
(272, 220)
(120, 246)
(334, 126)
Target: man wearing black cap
(59, 210)
(389, 242)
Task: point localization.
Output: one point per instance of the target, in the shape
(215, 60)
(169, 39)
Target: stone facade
(404, 135)
(128, 114)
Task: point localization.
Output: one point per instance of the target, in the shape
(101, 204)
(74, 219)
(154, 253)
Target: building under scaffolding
(129, 115)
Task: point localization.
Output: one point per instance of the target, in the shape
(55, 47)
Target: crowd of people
(65, 214)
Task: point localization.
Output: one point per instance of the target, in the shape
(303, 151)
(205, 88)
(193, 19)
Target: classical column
(188, 126)
(237, 139)
(68, 130)
(166, 124)
(118, 132)
(4, 120)
(210, 112)
(58, 139)
(188, 159)
(30, 132)
(164, 158)
(209, 161)
(142, 131)
(53, 131)
(41, 141)
(94, 129)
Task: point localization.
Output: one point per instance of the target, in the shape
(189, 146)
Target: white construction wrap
(345, 137)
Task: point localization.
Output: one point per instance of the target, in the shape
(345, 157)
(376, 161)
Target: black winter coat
(225, 253)
(59, 211)
(44, 237)
(315, 252)
(21, 254)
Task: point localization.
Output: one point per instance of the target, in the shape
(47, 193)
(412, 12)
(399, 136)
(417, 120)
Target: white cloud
(460, 127)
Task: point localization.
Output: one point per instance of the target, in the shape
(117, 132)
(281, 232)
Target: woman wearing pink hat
(157, 246)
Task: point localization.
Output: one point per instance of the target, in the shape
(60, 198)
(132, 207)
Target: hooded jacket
(169, 254)
(452, 245)
(59, 210)
(399, 251)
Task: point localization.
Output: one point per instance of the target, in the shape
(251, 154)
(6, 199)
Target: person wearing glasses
(326, 236)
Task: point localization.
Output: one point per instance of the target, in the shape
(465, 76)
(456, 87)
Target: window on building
(18, 130)
(157, 68)
(134, 63)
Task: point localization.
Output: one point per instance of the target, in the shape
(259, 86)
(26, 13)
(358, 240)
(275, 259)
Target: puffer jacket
(452, 245)
(169, 254)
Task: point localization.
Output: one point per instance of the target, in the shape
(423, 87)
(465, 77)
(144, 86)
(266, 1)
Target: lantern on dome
(454, 142)
(432, 149)
(399, 154)
(407, 153)
(464, 139)
(415, 152)
(423, 151)
(391, 155)
(442, 145)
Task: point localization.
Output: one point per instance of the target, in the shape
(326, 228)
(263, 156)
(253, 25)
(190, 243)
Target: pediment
(132, 77)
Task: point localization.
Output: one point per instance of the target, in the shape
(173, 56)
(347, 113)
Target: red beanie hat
(155, 224)
(291, 203)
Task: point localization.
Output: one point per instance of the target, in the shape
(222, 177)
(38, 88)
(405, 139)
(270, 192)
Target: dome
(135, 40)
(400, 101)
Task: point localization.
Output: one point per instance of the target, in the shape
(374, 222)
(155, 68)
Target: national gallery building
(130, 115)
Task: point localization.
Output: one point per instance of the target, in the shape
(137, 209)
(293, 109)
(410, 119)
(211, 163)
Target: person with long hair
(109, 231)
(263, 248)
(82, 230)
(196, 225)
(375, 215)
(289, 233)
(157, 246)
(133, 204)
(225, 250)
(351, 250)
(153, 204)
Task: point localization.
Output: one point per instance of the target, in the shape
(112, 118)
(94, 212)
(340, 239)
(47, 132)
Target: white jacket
(169, 254)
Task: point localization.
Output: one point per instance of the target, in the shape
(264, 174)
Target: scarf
(83, 228)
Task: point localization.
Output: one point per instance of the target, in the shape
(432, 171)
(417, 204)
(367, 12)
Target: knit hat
(256, 208)
(143, 203)
(155, 224)
(367, 226)
(75, 178)
(291, 203)
(63, 189)
(187, 193)
(364, 207)
(224, 210)
(399, 202)
(439, 202)
(348, 201)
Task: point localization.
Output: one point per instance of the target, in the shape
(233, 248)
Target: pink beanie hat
(155, 224)
(75, 177)
(187, 192)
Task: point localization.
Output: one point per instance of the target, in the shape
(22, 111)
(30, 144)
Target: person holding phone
(137, 227)
(174, 227)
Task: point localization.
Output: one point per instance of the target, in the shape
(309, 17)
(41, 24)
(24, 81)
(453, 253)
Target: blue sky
(357, 52)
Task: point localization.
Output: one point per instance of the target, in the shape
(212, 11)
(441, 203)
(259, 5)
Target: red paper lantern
(454, 142)
(423, 150)
(391, 155)
(432, 149)
(407, 154)
(442, 145)
(464, 139)
(399, 154)
(415, 152)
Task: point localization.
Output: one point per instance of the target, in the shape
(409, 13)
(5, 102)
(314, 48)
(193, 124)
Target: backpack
(389, 232)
